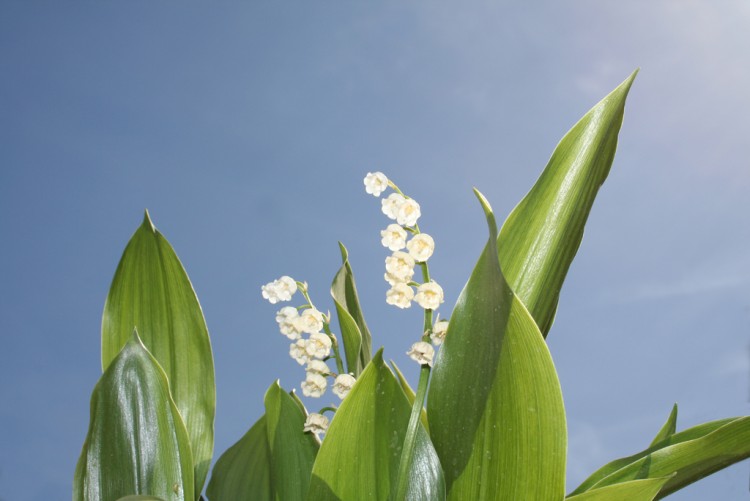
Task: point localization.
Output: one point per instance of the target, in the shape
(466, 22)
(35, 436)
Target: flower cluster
(312, 342)
(406, 253)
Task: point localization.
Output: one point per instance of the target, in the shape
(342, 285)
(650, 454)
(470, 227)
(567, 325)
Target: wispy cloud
(687, 286)
(716, 274)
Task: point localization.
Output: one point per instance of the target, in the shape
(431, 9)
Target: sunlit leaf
(541, 236)
(359, 457)
(634, 490)
(243, 472)
(140, 498)
(136, 442)
(494, 405)
(354, 331)
(152, 293)
(292, 450)
(667, 429)
(686, 457)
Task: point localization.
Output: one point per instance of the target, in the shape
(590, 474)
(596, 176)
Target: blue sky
(246, 130)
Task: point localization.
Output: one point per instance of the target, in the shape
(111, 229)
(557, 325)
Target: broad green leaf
(140, 498)
(541, 236)
(494, 404)
(410, 394)
(359, 457)
(243, 472)
(354, 331)
(634, 490)
(667, 429)
(687, 456)
(136, 442)
(152, 293)
(292, 450)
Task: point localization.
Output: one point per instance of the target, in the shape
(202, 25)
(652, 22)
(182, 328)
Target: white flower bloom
(399, 267)
(279, 290)
(375, 183)
(318, 346)
(314, 385)
(408, 213)
(343, 384)
(421, 247)
(394, 237)
(438, 332)
(298, 351)
(392, 204)
(429, 295)
(310, 321)
(316, 423)
(422, 353)
(317, 367)
(400, 295)
(286, 317)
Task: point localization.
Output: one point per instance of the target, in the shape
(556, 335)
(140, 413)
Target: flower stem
(327, 409)
(407, 452)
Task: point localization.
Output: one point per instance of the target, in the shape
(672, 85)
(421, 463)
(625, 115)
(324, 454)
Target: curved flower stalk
(399, 273)
(312, 351)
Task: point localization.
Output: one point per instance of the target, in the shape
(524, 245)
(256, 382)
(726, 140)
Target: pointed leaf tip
(147, 221)
(487, 212)
(624, 87)
(136, 338)
(344, 252)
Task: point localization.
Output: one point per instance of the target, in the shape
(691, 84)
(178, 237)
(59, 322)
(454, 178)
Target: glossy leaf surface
(292, 450)
(136, 442)
(494, 405)
(634, 490)
(243, 472)
(541, 236)
(354, 331)
(359, 457)
(151, 292)
(686, 456)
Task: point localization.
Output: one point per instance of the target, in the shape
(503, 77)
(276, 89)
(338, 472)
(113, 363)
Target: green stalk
(407, 452)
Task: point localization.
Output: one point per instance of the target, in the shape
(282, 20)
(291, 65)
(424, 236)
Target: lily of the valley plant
(486, 421)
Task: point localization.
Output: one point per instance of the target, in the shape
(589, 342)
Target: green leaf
(243, 472)
(360, 455)
(634, 490)
(410, 394)
(667, 429)
(136, 442)
(541, 236)
(151, 292)
(140, 498)
(687, 456)
(494, 405)
(292, 450)
(354, 331)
